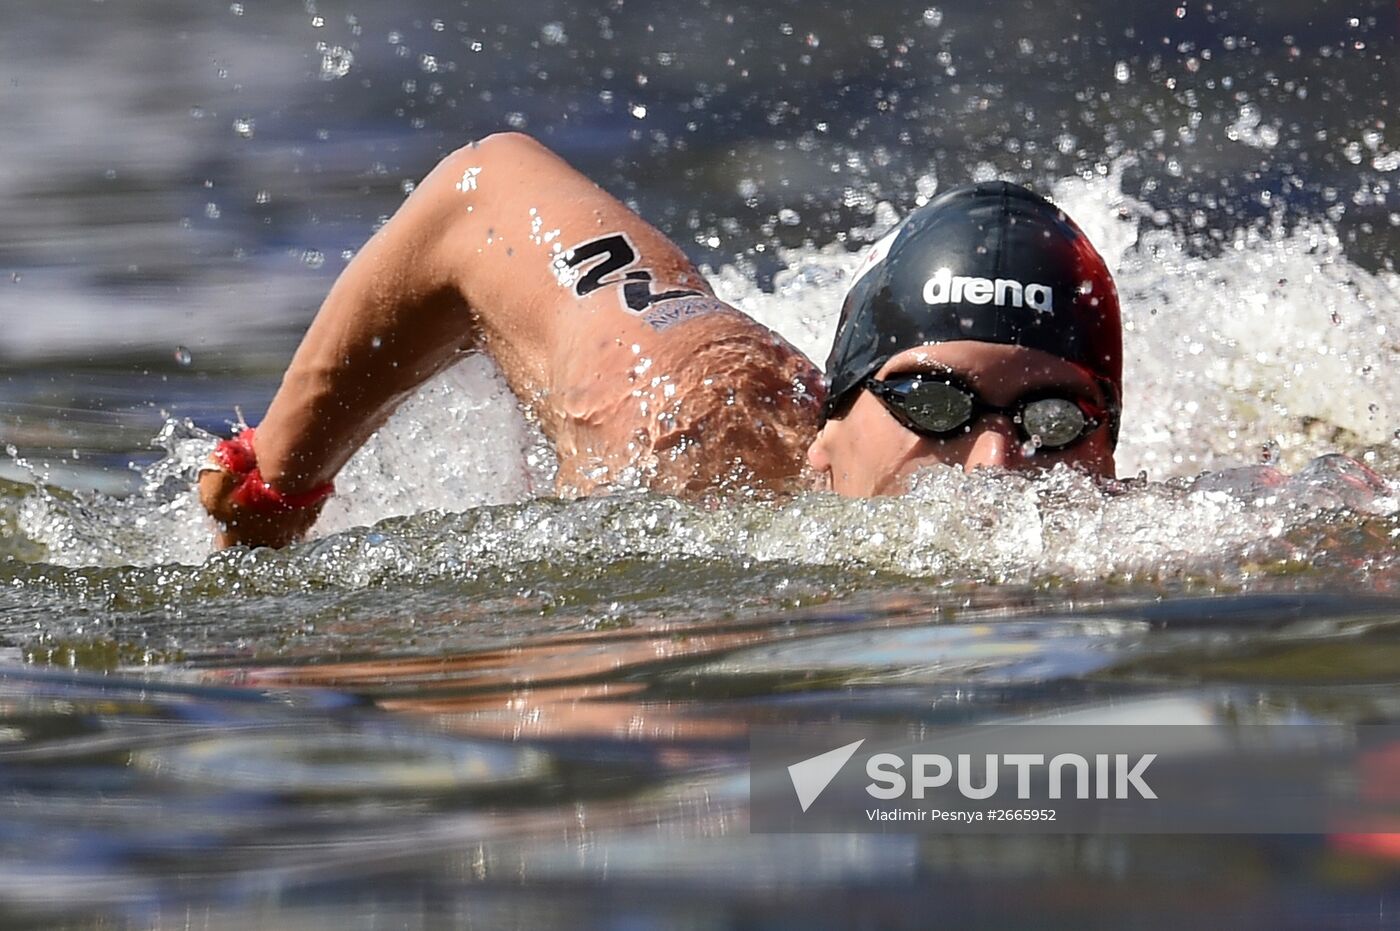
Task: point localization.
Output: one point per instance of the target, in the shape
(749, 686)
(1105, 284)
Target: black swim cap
(991, 262)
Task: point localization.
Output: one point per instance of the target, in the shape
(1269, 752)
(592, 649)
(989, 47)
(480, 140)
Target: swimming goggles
(940, 407)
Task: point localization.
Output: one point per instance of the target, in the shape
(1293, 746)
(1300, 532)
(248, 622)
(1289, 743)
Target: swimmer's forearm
(391, 321)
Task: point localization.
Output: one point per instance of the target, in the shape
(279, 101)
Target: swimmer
(983, 332)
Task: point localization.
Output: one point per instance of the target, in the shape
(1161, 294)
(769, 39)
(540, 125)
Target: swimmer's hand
(239, 525)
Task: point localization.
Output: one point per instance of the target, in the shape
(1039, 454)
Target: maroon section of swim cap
(992, 262)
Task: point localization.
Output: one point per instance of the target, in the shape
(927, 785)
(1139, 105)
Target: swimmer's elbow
(506, 150)
(501, 145)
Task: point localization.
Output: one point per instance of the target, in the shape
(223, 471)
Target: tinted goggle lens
(941, 408)
(1055, 421)
(937, 407)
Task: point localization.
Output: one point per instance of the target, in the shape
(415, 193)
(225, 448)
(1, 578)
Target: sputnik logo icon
(811, 776)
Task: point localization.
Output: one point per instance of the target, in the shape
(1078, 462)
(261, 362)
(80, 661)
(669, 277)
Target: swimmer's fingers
(241, 526)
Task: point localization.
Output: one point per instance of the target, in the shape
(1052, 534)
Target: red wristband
(236, 457)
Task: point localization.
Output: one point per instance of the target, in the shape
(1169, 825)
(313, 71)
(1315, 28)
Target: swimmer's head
(999, 290)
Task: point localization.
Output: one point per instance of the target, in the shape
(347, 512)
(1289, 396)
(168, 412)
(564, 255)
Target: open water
(467, 703)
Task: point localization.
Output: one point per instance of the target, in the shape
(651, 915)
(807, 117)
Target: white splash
(1278, 349)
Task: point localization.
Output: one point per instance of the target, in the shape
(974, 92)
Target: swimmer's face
(868, 452)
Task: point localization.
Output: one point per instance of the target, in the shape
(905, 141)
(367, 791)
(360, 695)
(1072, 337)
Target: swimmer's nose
(996, 445)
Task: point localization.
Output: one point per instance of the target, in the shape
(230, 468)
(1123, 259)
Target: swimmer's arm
(456, 266)
(392, 319)
(467, 261)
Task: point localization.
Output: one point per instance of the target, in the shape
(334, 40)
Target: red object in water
(236, 457)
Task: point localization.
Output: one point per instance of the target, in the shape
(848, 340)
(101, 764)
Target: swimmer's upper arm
(518, 210)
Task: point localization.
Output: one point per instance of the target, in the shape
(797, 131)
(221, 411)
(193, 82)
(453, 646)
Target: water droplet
(375, 342)
(313, 258)
(335, 61)
(553, 34)
(933, 17)
(639, 111)
(244, 126)
(182, 356)
(1181, 12)
(1122, 73)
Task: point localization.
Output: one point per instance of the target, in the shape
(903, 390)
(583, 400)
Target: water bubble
(1181, 12)
(789, 217)
(516, 120)
(211, 211)
(243, 126)
(1388, 162)
(1122, 73)
(236, 9)
(427, 64)
(926, 186)
(553, 34)
(263, 197)
(933, 17)
(335, 61)
(183, 357)
(639, 111)
(313, 258)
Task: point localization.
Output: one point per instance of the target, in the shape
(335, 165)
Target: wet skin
(868, 452)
